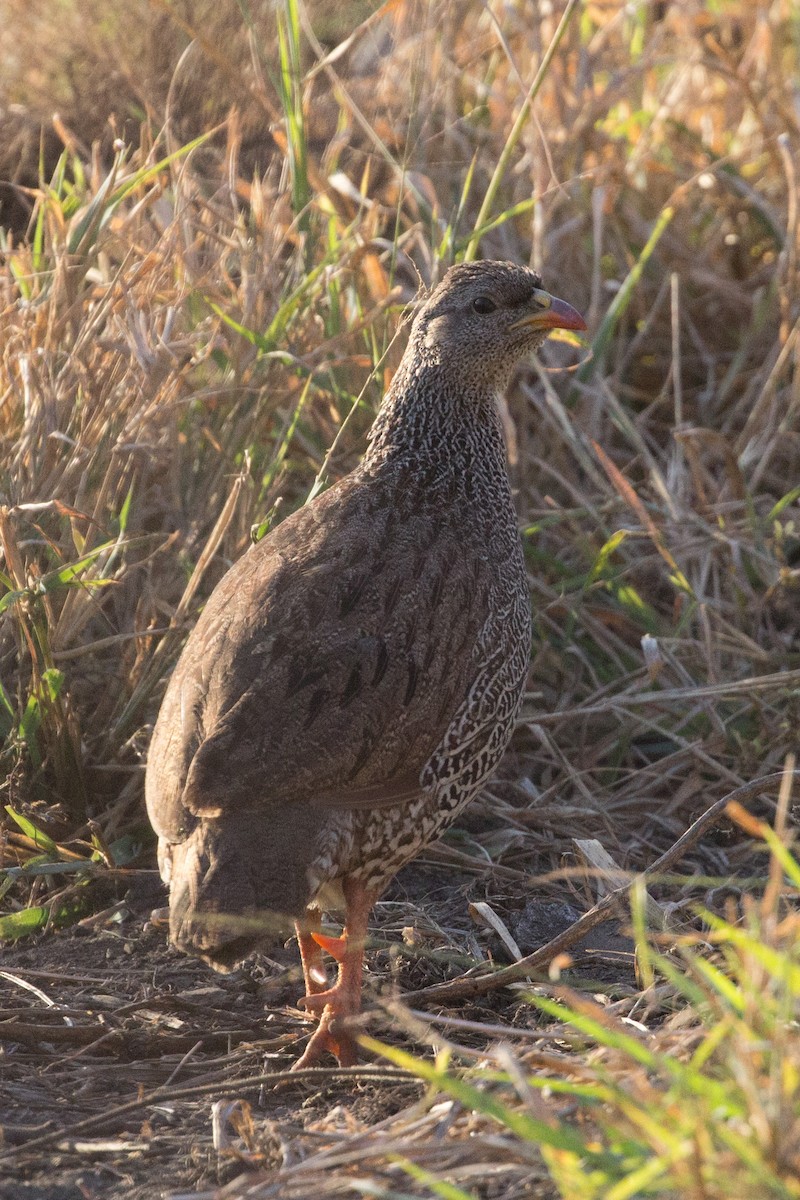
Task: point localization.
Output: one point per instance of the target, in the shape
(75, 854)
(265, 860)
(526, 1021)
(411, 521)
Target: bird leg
(314, 974)
(335, 1004)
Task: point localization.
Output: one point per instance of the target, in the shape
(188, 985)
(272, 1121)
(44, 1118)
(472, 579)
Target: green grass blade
(29, 829)
(109, 197)
(515, 133)
(784, 502)
(619, 304)
(23, 923)
(524, 1126)
(439, 1187)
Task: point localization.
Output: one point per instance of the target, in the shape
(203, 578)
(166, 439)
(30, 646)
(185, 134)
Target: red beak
(550, 313)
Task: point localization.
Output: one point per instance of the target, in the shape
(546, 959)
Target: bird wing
(327, 665)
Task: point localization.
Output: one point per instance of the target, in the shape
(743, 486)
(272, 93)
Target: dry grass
(188, 328)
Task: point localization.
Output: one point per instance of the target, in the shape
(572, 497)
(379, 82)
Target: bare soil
(120, 1014)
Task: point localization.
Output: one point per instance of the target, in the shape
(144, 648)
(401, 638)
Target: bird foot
(315, 1002)
(332, 997)
(344, 997)
(329, 1038)
(332, 1007)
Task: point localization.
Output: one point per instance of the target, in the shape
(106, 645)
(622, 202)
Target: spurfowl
(354, 678)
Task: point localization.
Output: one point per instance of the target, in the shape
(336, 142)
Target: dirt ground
(94, 1018)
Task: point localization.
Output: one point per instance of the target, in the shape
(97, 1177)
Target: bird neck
(427, 417)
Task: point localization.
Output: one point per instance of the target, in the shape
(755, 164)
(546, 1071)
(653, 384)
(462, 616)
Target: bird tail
(225, 901)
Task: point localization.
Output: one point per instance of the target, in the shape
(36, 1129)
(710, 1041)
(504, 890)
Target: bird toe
(330, 1037)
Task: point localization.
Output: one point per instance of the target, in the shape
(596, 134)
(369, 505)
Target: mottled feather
(355, 677)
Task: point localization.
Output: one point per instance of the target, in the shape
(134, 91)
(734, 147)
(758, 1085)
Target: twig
(466, 987)
(30, 1034)
(625, 700)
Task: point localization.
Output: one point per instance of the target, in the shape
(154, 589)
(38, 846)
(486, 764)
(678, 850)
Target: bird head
(483, 318)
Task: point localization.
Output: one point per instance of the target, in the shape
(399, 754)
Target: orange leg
(314, 974)
(335, 1004)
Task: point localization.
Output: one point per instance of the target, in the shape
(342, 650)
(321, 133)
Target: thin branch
(467, 987)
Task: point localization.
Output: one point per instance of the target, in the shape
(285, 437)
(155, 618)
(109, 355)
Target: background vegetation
(213, 219)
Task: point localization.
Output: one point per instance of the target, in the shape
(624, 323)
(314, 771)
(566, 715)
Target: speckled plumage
(355, 677)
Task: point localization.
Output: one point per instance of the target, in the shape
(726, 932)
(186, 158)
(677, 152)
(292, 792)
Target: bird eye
(483, 305)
